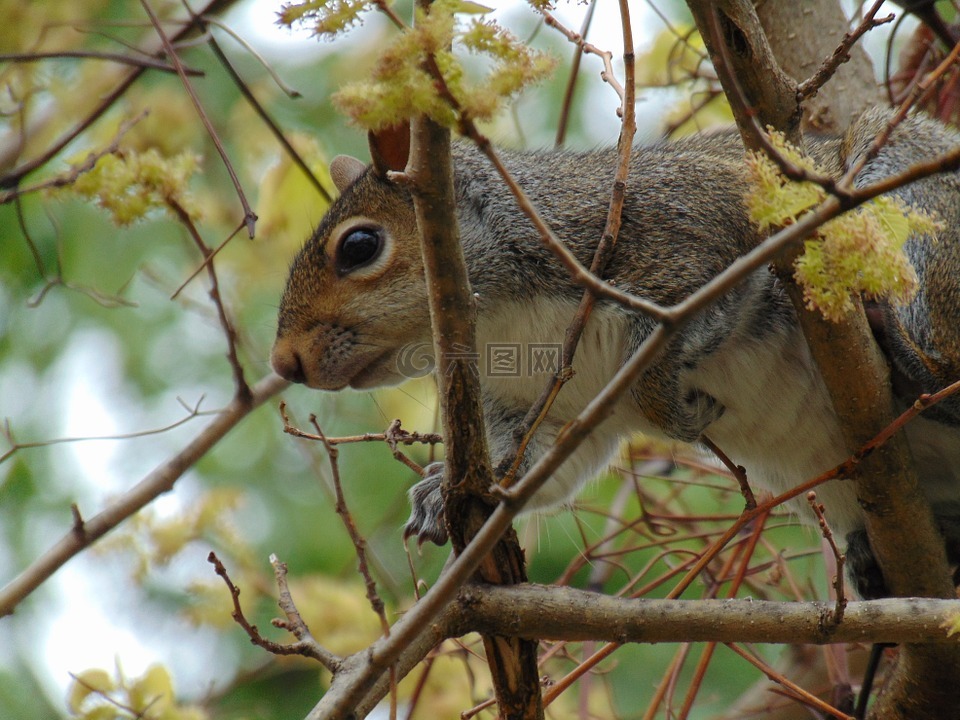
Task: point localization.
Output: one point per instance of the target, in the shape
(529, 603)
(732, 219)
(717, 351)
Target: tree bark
(899, 521)
(468, 474)
(802, 35)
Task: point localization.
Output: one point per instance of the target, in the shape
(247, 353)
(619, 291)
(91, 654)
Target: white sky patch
(256, 21)
(87, 415)
(82, 633)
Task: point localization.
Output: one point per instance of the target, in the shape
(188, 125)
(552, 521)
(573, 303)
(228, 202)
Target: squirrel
(739, 374)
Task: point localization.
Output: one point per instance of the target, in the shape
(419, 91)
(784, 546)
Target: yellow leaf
(952, 626)
(94, 681)
(153, 690)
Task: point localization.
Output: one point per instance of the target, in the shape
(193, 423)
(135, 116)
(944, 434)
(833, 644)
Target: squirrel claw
(426, 508)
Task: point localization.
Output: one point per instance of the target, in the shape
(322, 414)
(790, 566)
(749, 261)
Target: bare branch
(551, 612)
(841, 55)
(75, 172)
(148, 489)
(14, 177)
(16, 446)
(294, 622)
(306, 649)
(359, 544)
(268, 120)
(808, 699)
(250, 217)
(839, 558)
(241, 387)
(139, 61)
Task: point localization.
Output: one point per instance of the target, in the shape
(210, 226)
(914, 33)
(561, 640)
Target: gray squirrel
(740, 373)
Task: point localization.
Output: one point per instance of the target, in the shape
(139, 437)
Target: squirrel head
(356, 294)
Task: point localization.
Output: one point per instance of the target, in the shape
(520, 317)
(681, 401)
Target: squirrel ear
(344, 170)
(390, 148)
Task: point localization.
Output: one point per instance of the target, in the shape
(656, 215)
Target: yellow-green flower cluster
(857, 253)
(402, 86)
(326, 17)
(130, 184)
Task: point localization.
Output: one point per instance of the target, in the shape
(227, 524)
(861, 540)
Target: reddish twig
(572, 79)
(838, 556)
(792, 688)
(738, 471)
(306, 649)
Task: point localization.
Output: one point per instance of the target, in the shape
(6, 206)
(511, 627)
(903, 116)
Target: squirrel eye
(358, 247)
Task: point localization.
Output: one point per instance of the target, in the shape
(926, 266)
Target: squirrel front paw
(426, 508)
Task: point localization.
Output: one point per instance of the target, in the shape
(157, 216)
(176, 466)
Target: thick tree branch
(468, 475)
(564, 613)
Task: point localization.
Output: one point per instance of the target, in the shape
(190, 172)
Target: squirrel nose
(287, 364)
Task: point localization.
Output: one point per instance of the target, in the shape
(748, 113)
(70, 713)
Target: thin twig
(572, 79)
(17, 446)
(294, 622)
(738, 471)
(14, 177)
(134, 60)
(838, 556)
(70, 177)
(798, 692)
(102, 299)
(359, 543)
(250, 217)
(394, 435)
(304, 648)
(608, 240)
(841, 55)
(252, 51)
(608, 75)
(241, 387)
(208, 258)
(268, 120)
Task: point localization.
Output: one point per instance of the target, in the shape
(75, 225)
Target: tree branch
(856, 376)
(551, 612)
(152, 486)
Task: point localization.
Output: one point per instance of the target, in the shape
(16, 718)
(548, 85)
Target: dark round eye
(357, 248)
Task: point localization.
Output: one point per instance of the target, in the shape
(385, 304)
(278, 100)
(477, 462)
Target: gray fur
(739, 373)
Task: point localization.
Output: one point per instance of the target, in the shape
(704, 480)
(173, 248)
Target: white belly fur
(778, 421)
